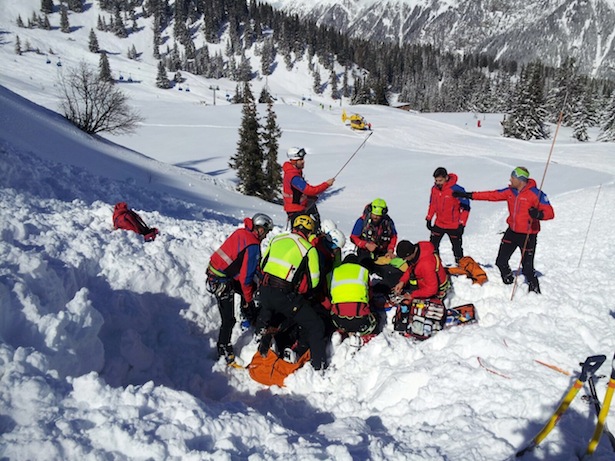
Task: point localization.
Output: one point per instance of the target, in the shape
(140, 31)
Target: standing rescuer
(299, 196)
(232, 269)
(527, 206)
(451, 212)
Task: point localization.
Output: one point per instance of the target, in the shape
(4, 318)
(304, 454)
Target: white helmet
(327, 225)
(296, 153)
(337, 237)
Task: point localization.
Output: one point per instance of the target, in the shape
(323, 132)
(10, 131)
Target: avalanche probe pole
(355, 153)
(542, 181)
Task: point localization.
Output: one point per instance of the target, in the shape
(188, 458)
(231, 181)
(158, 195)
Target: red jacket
(298, 195)
(428, 271)
(238, 258)
(450, 211)
(519, 203)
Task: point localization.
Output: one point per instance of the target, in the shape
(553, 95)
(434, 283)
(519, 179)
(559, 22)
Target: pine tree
(607, 127)
(248, 161)
(93, 42)
(18, 45)
(104, 70)
(333, 82)
(118, 24)
(75, 5)
(162, 81)
(317, 85)
(19, 22)
(527, 119)
(47, 6)
(64, 24)
(45, 23)
(272, 169)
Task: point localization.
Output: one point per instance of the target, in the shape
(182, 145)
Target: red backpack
(127, 219)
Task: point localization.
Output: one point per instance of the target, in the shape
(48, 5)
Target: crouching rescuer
(350, 311)
(291, 271)
(232, 269)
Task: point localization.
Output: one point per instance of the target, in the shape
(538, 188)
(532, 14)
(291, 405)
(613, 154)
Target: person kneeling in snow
(425, 267)
(349, 287)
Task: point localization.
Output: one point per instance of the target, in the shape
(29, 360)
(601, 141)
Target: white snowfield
(107, 343)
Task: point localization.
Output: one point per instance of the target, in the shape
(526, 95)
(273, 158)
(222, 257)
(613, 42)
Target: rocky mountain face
(522, 30)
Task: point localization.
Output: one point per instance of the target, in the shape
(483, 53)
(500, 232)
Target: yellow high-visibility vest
(285, 255)
(350, 284)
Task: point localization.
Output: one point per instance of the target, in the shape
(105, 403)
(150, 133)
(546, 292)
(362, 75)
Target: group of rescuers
(302, 280)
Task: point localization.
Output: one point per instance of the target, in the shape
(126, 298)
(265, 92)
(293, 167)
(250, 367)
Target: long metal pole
(355, 153)
(589, 225)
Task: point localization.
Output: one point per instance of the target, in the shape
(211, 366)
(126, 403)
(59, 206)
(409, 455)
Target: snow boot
(508, 278)
(226, 351)
(534, 287)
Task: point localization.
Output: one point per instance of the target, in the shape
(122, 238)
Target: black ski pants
(454, 235)
(510, 242)
(296, 308)
(226, 306)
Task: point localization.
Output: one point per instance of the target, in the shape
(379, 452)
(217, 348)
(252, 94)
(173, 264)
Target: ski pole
(355, 153)
(542, 181)
(604, 411)
(590, 365)
(589, 226)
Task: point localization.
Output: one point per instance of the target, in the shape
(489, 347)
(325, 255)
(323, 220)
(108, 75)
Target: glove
(250, 312)
(536, 213)
(460, 229)
(462, 194)
(428, 224)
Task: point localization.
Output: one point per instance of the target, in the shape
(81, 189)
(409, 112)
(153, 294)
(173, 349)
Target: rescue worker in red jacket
(451, 212)
(527, 206)
(232, 269)
(424, 267)
(299, 196)
(374, 232)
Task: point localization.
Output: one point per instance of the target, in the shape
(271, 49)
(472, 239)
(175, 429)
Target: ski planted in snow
(589, 367)
(602, 413)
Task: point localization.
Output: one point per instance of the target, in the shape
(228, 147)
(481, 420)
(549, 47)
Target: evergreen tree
(248, 161)
(100, 24)
(607, 127)
(162, 81)
(527, 119)
(265, 96)
(46, 24)
(64, 24)
(132, 52)
(333, 82)
(19, 22)
(118, 24)
(317, 85)
(272, 169)
(93, 42)
(18, 45)
(75, 5)
(104, 70)
(47, 6)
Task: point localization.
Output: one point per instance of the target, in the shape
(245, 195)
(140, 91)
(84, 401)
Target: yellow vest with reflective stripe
(350, 284)
(285, 254)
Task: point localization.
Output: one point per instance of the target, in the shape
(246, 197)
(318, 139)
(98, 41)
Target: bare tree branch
(95, 105)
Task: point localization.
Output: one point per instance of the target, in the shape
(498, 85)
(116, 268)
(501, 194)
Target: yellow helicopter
(356, 121)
